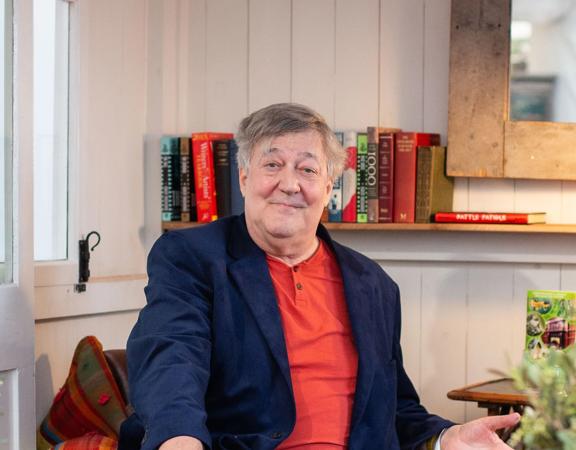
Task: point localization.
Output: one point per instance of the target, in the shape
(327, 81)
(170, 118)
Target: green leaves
(550, 423)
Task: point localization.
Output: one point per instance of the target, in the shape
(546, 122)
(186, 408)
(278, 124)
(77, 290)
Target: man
(260, 332)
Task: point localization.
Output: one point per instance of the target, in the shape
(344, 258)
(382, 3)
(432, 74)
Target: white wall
(176, 66)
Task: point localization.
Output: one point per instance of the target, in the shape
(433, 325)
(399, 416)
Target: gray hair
(282, 118)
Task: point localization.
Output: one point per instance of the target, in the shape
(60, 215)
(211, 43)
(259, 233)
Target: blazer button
(276, 435)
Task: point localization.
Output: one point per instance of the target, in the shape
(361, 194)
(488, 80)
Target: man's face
(286, 186)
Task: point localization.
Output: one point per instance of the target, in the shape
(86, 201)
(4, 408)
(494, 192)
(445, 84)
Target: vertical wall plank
(112, 121)
(169, 57)
(269, 64)
(356, 76)
(443, 336)
(491, 195)
(153, 69)
(539, 195)
(194, 41)
(568, 202)
(408, 277)
(183, 103)
(226, 64)
(401, 63)
(460, 198)
(568, 277)
(436, 66)
(313, 55)
(491, 339)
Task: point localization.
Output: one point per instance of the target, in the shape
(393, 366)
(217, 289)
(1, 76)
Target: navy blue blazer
(207, 357)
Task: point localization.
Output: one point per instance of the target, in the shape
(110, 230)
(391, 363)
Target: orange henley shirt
(321, 352)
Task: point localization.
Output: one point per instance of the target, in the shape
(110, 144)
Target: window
(51, 75)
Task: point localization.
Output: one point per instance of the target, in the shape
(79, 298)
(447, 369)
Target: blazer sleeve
(169, 348)
(415, 426)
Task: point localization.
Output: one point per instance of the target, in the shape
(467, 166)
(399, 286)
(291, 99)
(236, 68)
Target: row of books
(199, 177)
(391, 176)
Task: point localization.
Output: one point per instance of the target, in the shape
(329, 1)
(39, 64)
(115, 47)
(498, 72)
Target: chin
(283, 231)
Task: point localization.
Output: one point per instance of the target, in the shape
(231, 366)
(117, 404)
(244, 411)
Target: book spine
(236, 199)
(335, 202)
(185, 167)
(349, 179)
(441, 185)
(423, 184)
(385, 177)
(166, 178)
(372, 174)
(362, 179)
(222, 176)
(405, 177)
(464, 217)
(203, 159)
(175, 193)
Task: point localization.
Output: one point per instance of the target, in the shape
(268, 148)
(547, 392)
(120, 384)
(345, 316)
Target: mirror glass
(543, 60)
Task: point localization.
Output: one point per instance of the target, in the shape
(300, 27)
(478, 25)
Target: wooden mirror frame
(482, 141)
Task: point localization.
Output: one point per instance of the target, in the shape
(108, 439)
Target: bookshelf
(426, 227)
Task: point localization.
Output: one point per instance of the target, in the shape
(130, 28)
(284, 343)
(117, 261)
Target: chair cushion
(89, 401)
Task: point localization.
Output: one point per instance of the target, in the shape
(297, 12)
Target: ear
(329, 187)
(243, 176)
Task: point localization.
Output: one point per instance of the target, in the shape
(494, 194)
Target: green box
(550, 321)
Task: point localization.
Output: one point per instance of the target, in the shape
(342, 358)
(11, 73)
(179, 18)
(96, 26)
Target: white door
(17, 422)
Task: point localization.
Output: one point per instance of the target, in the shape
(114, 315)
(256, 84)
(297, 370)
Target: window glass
(51, 31)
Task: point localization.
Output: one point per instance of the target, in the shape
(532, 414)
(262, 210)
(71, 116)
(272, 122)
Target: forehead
(306, 144)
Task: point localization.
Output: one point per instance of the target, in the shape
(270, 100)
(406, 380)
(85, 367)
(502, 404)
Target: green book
(362, 178)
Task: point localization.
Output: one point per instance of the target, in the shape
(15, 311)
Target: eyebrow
(304, 153)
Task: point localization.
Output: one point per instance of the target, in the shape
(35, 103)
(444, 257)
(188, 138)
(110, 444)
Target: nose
(288, 181)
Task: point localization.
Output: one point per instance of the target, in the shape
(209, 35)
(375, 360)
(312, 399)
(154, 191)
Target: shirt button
(295, 268)
(299, 286)
(276, 435)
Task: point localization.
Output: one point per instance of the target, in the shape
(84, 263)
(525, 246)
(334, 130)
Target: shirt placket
(299, 286)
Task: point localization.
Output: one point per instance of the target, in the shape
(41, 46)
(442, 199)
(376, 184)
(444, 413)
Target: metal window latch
(84, 261)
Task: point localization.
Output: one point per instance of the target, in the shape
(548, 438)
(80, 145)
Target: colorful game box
(550, 321)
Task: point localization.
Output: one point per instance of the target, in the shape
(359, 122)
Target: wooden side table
(498, 396)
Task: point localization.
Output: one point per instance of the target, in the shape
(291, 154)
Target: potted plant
(550, 382)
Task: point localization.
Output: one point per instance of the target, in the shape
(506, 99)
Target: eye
(309, 170)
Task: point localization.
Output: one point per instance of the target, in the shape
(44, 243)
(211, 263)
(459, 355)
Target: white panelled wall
(175, 66)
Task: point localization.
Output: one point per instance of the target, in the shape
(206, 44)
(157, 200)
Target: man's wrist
(438, 445)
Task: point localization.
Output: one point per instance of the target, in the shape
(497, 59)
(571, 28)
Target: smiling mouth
(289, 205)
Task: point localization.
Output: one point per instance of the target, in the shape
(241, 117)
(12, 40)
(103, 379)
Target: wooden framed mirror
(482, 141)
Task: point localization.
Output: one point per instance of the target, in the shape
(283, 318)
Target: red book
(204, 178)
(349, 178)
(386, 177)
(405, 155)
(488, 217)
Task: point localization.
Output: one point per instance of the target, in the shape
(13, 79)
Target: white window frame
(65, 272)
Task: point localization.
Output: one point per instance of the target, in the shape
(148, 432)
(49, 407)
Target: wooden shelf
(460, 227)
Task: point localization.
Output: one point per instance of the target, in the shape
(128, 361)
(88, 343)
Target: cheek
(261, 188)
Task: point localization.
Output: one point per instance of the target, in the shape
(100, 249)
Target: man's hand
(479, 434)
(182, 443)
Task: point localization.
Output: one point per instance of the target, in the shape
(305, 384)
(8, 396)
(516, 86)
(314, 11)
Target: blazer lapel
(360, 302)
(251, 275)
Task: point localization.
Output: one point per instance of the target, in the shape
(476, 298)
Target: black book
(222, 174)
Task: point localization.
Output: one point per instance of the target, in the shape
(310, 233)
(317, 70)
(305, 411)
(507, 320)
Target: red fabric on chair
(90, 441)
(90, 400)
